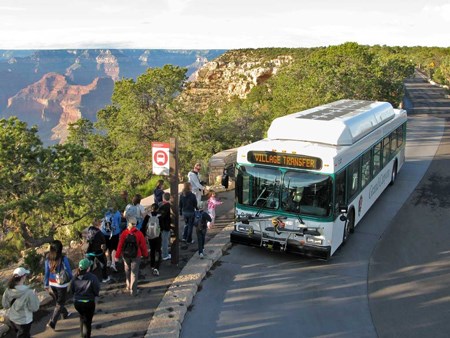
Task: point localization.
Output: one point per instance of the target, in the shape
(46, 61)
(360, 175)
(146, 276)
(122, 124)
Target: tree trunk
(30, 240)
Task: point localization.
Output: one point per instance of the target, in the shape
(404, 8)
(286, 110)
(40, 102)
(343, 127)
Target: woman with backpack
(110, 229)
(132, 247)
(85, 287)
(21, 302)
(57, 277)
(152, 228)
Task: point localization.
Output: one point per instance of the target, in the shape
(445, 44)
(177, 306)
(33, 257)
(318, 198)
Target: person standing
(225, 179)
(135, 210)
(196, 184)
(122, 202)
(153, 237)
(212, 203)
(110, 229)
(132, 247)
(202, 228)
(85, 287)
(57, 277)
(165, 224)
(187, 206)
(158, 193)
(21, 301)
(97, 247)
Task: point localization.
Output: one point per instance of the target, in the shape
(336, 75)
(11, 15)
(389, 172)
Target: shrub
(33, 261)
(10, 249)
(147, 188)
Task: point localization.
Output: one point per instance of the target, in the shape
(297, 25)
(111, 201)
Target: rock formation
(51, 103)
(233, 74)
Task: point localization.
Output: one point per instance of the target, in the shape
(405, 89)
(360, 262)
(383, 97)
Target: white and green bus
(307, 185)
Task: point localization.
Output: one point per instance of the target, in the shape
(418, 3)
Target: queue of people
(106, 242)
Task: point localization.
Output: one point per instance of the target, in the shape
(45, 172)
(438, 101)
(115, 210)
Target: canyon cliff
(52, 88)
(233, 74)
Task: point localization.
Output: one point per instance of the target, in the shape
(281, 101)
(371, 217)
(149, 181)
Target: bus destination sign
(284, 160)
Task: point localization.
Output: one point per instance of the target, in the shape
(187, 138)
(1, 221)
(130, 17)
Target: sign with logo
(284, 160)
(160, 158)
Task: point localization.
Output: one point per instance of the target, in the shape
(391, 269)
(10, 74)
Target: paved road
(409, 272)
(253, 293)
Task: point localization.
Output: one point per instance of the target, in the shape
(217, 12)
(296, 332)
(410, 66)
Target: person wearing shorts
(112, 240)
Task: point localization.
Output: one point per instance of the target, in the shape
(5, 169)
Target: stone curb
(169, 315)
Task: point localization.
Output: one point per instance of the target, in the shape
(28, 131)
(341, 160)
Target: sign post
(173, 177)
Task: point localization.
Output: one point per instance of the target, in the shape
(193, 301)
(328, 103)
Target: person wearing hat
(21, 302)
(85, 287)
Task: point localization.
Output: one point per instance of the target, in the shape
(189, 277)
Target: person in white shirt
(21, 301)
(196, 184)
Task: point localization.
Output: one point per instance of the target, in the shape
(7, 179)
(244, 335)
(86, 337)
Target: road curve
(253, 293)
(409, 272)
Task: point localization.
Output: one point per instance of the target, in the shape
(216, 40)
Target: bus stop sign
(160, 158)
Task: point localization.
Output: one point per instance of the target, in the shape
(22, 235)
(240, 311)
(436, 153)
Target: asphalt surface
(389, 280)
(409, 273)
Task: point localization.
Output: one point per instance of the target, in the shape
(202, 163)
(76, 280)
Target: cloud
(11, 9)
(189, 24)
(443, 11)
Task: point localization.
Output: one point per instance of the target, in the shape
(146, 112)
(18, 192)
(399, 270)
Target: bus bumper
(293, 246)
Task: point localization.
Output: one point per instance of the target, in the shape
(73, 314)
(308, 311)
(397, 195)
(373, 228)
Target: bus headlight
(313, 240)
(244, 228)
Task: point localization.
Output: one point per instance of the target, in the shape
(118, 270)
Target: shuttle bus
(307, 185)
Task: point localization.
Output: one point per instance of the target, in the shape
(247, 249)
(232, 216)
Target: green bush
(33, 260)
(147, 188)
(10, 249)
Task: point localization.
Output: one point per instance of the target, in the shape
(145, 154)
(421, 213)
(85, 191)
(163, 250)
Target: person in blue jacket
(110, 229)
(57, 277)
(85, 288)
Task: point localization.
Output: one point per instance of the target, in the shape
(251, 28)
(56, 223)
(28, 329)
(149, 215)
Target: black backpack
(130, 246)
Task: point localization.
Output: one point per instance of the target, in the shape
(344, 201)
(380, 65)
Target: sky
(225, 24)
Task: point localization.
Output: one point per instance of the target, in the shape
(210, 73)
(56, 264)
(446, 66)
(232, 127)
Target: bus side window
(353, 172)
(340, 191)
(376, 159)
(386, 151)
(365, 169)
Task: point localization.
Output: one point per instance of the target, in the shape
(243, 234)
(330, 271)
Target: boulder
(4, 329)
(44, 298)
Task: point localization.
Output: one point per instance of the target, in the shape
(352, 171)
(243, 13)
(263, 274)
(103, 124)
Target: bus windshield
(297, 192)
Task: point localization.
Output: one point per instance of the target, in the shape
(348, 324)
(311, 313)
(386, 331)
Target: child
(202, 226)
(212, 203)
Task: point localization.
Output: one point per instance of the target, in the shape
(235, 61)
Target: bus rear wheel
(394, 174)
(349, 226)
